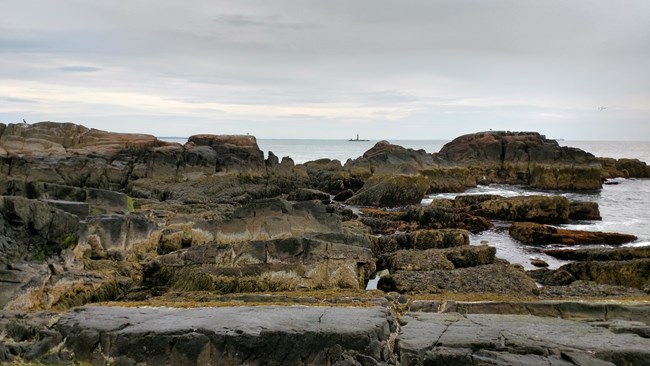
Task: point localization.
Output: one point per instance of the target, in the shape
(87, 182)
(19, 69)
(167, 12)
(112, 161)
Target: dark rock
(306, 194)
(491, 278)
(541, 209)
(624, 168)
(391, 191)
(523, 158)
(551, 277)
(421, 239)
(439, 217)
(343, 195)
(631, 273)
(492, 339)
(579, 210)
(538, 262)
(237, 335)
(438, 259)
(32, 229)
(599, 254)
(537, 234)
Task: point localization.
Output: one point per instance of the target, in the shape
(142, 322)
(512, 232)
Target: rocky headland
(124, 249)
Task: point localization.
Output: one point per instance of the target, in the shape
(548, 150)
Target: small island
(357, 139)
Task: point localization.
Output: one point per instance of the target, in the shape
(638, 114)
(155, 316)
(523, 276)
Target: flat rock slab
(271, 335)
(482, 339)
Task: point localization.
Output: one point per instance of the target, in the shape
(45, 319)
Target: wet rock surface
(538, 234)
(488, 339)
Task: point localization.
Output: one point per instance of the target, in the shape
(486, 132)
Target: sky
(385, 69)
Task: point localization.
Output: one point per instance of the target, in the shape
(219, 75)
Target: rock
(491, 278)
(391, 191)
(541, 209)
(551, 277)
(579, 210)
(388, 159)
(439, 217)
(306, 194)
(581, 290)
(438, 259)
(631, 273)
(232, 335)
(421, 239)
(599, 254)
(624, 168)
(538, 234)
(343, 195)
(492, 339)
(538, 262)
(522, 158)
(275, 265)
(233, 152)
(34, 230)
(329, 176)
(103, 235)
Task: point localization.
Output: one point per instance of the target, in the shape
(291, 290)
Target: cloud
(440, 66)
(80, 69)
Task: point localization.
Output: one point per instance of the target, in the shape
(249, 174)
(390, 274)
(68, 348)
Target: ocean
(624, 207)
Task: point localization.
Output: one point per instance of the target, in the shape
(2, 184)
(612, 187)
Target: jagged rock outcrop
(630, 273)
(522, 158)
(542, 209)
(624, 168)
(421, 239)
(434, 259)
(391, 191)
(538, 234)
(33, 230)
(73, 155)
(258, 266)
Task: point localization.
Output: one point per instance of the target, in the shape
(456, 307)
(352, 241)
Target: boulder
(232, 152)
(580, 210)
(391, 191)
(490, 278)
(631, 273)
(388, 159)
(551, 277)
(542, 209)
(421, 239)
(441, 216)
(522, 158)
(538, 234)
(624, 168)
(438, 259)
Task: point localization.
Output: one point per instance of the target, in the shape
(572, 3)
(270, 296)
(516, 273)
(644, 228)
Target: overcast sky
(394, 69)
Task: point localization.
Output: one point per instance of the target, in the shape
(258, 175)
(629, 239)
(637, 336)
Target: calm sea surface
(625, 207)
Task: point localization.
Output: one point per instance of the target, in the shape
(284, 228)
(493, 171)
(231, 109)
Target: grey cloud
(80, 69)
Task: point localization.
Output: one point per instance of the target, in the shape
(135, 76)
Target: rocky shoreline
(149, 227)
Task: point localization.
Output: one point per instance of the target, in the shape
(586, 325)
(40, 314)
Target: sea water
(624, 207)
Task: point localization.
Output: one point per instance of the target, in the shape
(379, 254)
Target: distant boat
(357, 139)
